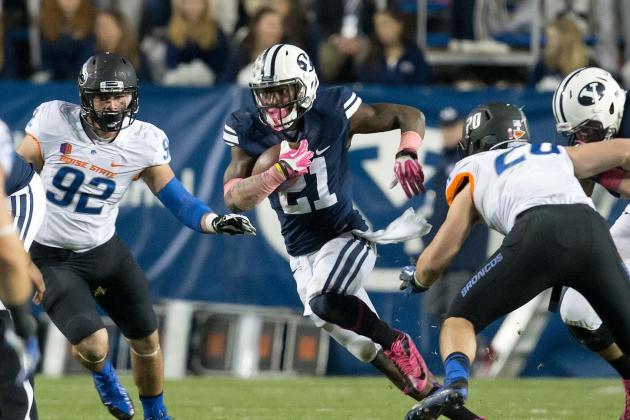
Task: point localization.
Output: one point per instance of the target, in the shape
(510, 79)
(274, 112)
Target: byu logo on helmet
(304, 62)
(591, 93)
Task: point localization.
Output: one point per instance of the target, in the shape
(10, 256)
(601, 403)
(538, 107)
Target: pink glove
(295, 162)
(408, 172)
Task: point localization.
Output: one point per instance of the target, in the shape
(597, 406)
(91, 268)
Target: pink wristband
(611, 179)
(410, 140)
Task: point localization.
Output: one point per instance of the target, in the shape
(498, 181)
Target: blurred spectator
(345, 26)
(67, 37)
(612, 19)
(196, 47)
(155, 17)
(114, 34)
(394, 57)
(473, 252)
(265, 30)
(8, 65)
(297, 30)
(246, 10)
(131, 9)
(564, 51)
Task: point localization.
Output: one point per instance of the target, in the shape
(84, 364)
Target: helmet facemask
(278, 103)
(108, 120)
(588, 132)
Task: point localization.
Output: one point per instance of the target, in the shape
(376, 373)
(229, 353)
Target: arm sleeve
(230, 136)
(348, 101)
(188, 209)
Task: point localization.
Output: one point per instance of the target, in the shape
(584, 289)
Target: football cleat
(626, 411)
(157, 413)
(113, 395)
(447, 398)
(410, 363)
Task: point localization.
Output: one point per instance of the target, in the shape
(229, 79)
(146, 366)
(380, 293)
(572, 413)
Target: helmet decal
(304, 62)
(591, 93)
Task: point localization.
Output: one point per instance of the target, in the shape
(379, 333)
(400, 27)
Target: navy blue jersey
(21, 174)
(318, 207)
(624, 132)
(624, 127)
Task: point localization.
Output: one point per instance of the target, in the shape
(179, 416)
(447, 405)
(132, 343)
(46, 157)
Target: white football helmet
(284, 85)
(588, 105)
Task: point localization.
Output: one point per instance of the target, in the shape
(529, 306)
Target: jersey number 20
(501, 163)
(69, 180)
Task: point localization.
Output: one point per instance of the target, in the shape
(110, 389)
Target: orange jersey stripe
(39, 146)
(457, 184)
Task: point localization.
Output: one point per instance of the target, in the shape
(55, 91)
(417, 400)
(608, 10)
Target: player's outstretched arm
(384, 117)
(30, 150)
(594, 158)
(188, 209)
(447, 242)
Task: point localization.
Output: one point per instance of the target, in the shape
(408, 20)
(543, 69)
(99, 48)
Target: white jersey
(85, 180)
(7, 152)
(505, 183)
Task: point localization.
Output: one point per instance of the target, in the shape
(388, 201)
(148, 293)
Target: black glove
(233, 224)
(408, 284)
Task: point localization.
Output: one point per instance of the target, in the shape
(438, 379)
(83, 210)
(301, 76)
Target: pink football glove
(408, 172)
(295, 162)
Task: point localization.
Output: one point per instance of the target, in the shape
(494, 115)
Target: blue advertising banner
(184, 264)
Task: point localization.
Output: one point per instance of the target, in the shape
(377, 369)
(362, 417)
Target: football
(268, 159)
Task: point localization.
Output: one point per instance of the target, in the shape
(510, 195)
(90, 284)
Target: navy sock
(153, 405)
(457, 367)
(622, 366)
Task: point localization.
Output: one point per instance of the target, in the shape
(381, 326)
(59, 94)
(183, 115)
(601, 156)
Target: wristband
(410, 140)
(208, 223)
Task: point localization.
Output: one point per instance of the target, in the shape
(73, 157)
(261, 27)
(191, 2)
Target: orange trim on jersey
(456, 185)
(39, 146)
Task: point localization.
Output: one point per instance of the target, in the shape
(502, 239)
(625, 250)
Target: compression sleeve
(187, 208)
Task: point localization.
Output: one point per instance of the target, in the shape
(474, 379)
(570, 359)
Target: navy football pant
(552, 245)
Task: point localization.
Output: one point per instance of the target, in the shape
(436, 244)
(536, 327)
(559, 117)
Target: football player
(554, 237)
(329, 262)
(589, 105)
(88, 155)
(19, 350)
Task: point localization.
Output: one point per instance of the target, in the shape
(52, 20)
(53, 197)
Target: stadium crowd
(204, 42)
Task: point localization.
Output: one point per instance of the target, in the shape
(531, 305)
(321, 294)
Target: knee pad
(594, 340)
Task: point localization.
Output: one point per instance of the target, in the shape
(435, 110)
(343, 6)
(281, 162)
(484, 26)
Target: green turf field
(73, 398)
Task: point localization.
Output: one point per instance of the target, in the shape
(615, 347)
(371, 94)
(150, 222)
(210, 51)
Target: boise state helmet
(284, 85)
(102, 74)
(491, 126)
(588, 105)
